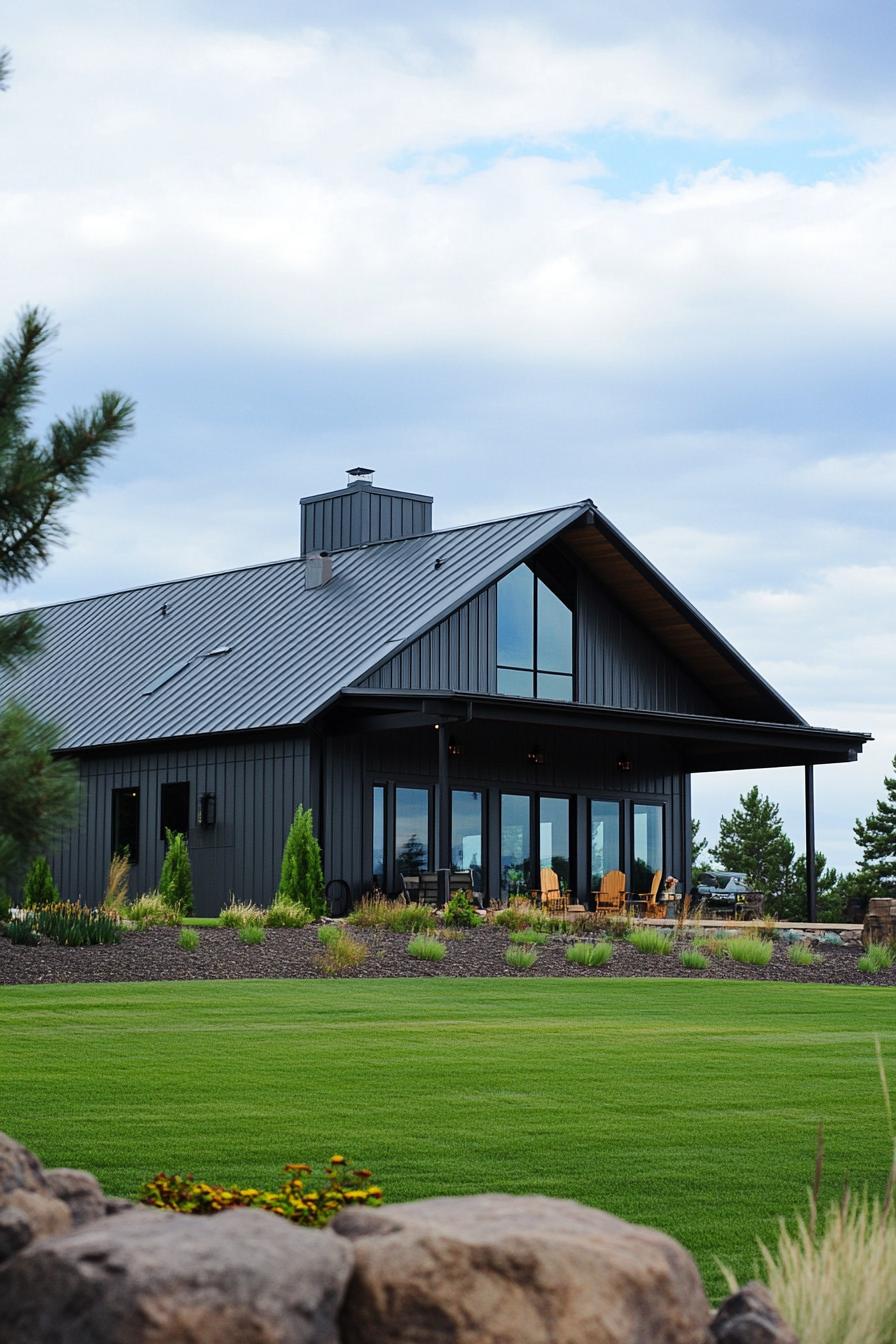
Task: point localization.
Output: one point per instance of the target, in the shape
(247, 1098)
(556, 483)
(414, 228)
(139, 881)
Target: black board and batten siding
(360, 515)
(257, 786)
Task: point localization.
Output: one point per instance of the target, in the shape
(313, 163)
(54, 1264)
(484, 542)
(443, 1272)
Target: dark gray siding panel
(362, 514)
(257, 784)
(458, 654)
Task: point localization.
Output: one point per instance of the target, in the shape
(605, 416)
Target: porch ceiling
(705, 744)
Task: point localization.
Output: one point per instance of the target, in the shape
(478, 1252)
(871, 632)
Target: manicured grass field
(689, 1105)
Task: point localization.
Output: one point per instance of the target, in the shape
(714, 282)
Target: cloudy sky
(511, 256)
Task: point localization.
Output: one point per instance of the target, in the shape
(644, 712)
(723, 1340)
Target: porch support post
(811, 875)
(444, 800)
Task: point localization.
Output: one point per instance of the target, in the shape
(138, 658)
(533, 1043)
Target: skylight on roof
(172, 671)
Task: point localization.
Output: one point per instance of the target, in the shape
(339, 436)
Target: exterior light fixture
(536, 756)
(207, 811)
(624, 764)
(454, 748)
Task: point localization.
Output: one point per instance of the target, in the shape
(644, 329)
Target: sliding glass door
(554, 838)
(647, 843)
(411, 831)
(606, 839)
(467, 834)
(516, 853)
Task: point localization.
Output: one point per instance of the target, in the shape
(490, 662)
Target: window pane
(605, 847)
(378, 839)
(515, 862)
(648, 846)
(466, 834)
(554, 632)
(553, 686)
(126, 823)
(516, 618)
(553, 825)
(412, 831)
(174, 809)
(512, 682)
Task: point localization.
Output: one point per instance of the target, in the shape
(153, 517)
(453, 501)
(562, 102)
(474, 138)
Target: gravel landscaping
(296, 954)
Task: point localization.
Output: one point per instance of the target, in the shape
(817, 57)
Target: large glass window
(126, 823)
(411, 831)
(378, 836)
(605, 840)
(553, 837)
(466, 834)
(515, 848)
(647, 831)
(535, 638)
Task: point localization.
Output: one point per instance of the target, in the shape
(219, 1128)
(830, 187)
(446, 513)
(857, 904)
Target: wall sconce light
(454, 748)
(207, 810)
(624, 764)
(536, 756)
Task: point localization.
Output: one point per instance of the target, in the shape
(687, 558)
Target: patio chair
(553, 900)
(653, 909)
(610, 899)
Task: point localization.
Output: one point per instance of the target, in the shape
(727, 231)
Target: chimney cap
(359, 474)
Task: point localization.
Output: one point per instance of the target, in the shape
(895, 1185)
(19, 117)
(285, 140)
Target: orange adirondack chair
(654, 909)
(553, 900)
(611, 897)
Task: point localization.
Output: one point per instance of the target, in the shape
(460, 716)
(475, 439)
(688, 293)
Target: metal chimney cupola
(362, 513)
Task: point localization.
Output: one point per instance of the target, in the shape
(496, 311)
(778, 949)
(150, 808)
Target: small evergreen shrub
(288, 915)
(73, 925)
(460, 912)
(528, 936)
(750, 951)
(149, 910)
(237, 914)
(650, 941)
(188, 940)
(176, 879)
(427, 948)
(692, 960)
(301, 871)
(520, 958)
(39, 888)
(799, 955)
(589, 954)
(877, 957)
(252, 934)
(21, 931)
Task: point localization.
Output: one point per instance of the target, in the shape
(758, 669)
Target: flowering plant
(300, 1199)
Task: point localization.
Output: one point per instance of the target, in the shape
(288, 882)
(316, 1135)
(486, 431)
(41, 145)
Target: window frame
(537, 670)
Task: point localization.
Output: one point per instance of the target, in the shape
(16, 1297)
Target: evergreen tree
(38, 478)
(176, 878)
(829, 884)
(39, 888)
(753, 841)
(301, 872)
(699, 845)
(876, 838)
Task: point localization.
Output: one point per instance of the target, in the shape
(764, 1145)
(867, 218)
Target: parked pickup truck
(728, 894)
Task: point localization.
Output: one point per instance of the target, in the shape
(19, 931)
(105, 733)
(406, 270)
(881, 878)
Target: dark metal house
(517, 693)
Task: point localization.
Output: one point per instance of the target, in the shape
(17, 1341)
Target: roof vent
(318, 569)
(356, 474)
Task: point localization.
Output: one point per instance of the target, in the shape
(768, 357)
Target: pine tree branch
(5, 68)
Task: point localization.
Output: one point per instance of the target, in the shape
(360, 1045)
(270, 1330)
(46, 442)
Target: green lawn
(689, 1105)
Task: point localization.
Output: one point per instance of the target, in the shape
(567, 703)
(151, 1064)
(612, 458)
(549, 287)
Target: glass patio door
(647, 837)
(466, 834)
(606, 847)
(516, 854)
(553, 839)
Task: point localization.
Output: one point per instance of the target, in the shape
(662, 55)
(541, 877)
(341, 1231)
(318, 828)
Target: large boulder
(150, 1277)
(506, 1269)
(35, 1202)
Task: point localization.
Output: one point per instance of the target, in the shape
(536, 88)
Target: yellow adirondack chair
(654, 909)
(610, 899)
(553, 901)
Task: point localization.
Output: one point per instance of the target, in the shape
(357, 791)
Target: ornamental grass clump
(288, 915)
(589, 954)
(877, 957)
(520, 958)
(188, 940)
(650, 941)
(712, 945)
(237, 914)
(72, 925)
(252, 934)
(342, 953)
(800, 955)
(115, 897)
(427, 948)
(750, 951)
(301, 1199)
(329, 933)
(532, 936)
(176, 877)
(39, 888)
(399, 916)
(149, 910)
(692, 960)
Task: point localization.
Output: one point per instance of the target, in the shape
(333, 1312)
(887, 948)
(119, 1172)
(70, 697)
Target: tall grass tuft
(426, 948)
(750, 951)
(342, 953)
(288, 915)
(379, 912)
(149, 909)
(528, 936)
(116, 894)
(520, 958)
(238, 914)
(188, 940)
(252, 934)
(877, 957)
(800, 955)
(650, 941)
(589, 954)
(692, 960)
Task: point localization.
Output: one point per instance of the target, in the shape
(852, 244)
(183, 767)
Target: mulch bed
(296, 954)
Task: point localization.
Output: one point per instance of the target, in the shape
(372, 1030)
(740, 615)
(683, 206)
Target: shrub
(314, 1206)
(650, 941)
(176, 879)
(877, 957)
(766, 927)
(39, 888)
(301, 871)
(427, 948)
(149, 909)
(237, 914)
(188, 940)
(711, 944)
(73, 925)
(5, 906)
(514, 918)
(252, 934)
(619, 926)
(590, 954)
(400, 917)
(342, 954)
(288, 915)
(528, 936)
(21, 931)
(692, 960)
(460, 913)
(750, 951)
(520, 958)
(798, 955)
(116, 893)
